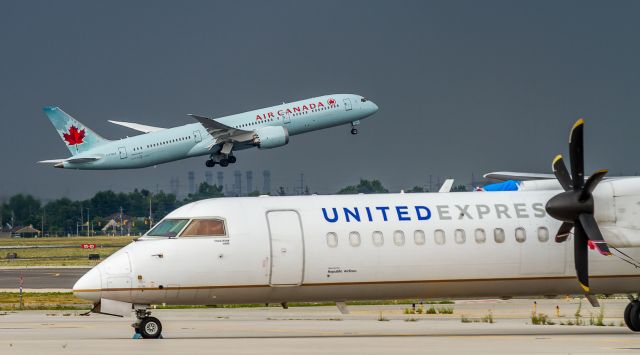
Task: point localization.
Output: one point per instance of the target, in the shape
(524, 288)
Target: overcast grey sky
(463, 86)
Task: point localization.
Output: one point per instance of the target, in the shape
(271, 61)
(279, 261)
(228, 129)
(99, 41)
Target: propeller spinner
(574, 207)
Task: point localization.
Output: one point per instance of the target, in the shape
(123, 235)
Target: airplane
(264, 128)
(385, 246)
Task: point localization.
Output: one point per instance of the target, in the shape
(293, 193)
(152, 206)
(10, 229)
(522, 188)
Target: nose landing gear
(354, 131)
(146, 327)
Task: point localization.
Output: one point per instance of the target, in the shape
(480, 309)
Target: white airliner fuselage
(388, 246)
(263, 128)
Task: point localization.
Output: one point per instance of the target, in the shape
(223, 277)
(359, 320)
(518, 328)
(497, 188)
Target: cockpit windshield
(363, 99)
(168, 228)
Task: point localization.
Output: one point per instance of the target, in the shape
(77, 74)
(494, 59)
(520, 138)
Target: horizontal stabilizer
(138, 127)
(510, 175)
(70, 160)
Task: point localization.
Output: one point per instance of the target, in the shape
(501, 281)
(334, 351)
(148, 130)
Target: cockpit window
(363, 99)
(204, 228)
(168, 228)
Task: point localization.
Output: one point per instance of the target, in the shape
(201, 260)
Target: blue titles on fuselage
(378, 213)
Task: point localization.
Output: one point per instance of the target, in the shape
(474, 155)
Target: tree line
(131, 210)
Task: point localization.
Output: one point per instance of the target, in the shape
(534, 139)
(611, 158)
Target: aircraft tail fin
(78, 137)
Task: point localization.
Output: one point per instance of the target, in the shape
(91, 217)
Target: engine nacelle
(271, 137)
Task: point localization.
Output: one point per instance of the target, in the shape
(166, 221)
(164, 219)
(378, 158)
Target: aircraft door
(123, 152)
(287, 248)
(347, 104)
(198, 136)
(287, 118)
(117, 274)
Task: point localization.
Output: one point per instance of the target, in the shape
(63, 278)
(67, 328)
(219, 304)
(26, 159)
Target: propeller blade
(581, 256)
(561, 172)
(563, 232)
(591, 184)
(576, 155)
(590, 226)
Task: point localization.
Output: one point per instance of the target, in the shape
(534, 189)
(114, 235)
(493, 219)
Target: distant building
(249, 181)
(174, 185)
(266, 182)
(220, 178)
(237, 183)
(192, 182)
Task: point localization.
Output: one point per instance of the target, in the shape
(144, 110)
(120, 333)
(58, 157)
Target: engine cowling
(271, 137)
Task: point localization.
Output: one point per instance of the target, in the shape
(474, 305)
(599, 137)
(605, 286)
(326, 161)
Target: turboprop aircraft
(385, 246)
(218, 138)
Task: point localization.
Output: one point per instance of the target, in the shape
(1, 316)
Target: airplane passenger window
(543, 234)
(167, 228)
(480, 236)
(498, 235)
(398, 238)
(354, 239)
(332, 240)
(521, 235)
(378, 238)
(205, 228)
(419, 237)
(460, 236)
(439, 237)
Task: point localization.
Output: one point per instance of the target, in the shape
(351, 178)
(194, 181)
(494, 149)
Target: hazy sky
(462, 86)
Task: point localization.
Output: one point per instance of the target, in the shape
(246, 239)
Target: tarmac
(40, 277)
(322, 330)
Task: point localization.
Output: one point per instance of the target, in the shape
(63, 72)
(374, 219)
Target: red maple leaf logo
(331, 102)
(74, 136)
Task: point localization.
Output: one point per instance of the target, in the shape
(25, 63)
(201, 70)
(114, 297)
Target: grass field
(74, 255)
(65, 300)
(10, 301)
(66, 241)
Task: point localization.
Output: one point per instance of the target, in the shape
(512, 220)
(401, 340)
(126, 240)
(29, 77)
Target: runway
(318, 330)
(41, 277)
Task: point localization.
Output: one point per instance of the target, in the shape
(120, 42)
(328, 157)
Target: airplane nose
(89, 286)
(374, 106)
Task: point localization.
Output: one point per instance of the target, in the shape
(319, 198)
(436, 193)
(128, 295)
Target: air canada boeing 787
(533, 241)
(218, 138)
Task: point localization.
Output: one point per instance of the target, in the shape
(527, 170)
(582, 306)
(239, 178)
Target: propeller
(574, 207)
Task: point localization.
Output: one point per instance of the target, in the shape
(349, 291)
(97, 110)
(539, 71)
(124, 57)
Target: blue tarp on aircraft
(509, 185)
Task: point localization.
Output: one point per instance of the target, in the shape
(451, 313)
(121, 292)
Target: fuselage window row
(439, 237)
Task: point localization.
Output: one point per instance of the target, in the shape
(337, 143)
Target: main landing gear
(632, 315)
(146, 327)
(223, 161)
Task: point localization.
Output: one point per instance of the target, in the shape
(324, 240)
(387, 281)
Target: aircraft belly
(459, 289)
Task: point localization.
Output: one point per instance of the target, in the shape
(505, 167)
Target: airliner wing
(220, 131)
(70, 160)
(510, 175)
(138, 127)
(212, 125)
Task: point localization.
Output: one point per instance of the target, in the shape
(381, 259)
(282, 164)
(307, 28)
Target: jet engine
(271, 137)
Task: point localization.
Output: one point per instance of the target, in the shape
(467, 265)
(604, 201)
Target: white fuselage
(349, 247)
(193, 140)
